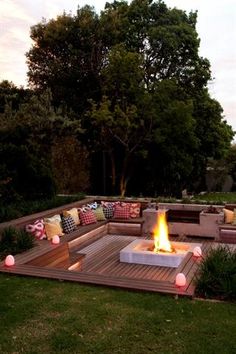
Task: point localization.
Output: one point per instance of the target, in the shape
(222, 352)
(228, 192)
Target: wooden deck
(101, 266)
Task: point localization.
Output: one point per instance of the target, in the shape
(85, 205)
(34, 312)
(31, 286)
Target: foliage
(24, 207)
(13, 241)
(64, 317)
(137, 85)
(26, 141)
(217, 274)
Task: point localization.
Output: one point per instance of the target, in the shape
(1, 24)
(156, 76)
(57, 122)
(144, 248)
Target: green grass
(217, 198)
(43, 316)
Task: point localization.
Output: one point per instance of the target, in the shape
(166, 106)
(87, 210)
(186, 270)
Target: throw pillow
(229, 216)
(234, 218)
(134, 210)
(37, 229)
(54, 218)
(68, 224)
(108, 211)
(99, 214)
(92, 206)
(87, 217)
(73, 213)
(52, 229)
(121, 211)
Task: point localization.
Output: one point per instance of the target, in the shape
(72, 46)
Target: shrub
(217, 274)
(13, 241)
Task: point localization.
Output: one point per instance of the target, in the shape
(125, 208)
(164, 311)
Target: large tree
(139, 66)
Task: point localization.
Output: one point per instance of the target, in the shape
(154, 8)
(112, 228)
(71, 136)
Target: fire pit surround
(160, 251)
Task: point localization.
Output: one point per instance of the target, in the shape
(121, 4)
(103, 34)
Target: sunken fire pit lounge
(91, 253)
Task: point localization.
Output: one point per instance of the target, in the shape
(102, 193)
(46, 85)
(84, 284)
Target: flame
(161, 240)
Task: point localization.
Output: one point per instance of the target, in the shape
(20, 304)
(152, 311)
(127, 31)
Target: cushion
(99, 214)
(84, 208)
(229, 216)
(87, 217)
(92, 206)
(68, 224)
(73, 213)
(134, 210)
(37, 229)
(54, 218)
(52, 229)
(121, 211)
(108, 211)
(234, 218)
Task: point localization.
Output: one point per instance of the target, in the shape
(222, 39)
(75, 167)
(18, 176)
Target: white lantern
(180, 279)
(197, 251)
(55, 240)
(9, 260)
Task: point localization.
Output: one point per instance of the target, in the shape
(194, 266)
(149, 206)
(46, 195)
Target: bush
(217, 274)
(13, 241)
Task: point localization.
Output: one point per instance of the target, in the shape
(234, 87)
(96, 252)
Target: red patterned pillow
(87, 217)
(121, 211)
(37, 229)
(134, 210)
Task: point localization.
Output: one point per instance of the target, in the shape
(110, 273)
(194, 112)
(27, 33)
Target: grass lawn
(43, 316)
(217, 197)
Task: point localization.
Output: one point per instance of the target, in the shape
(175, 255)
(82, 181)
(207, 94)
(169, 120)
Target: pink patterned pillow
(135, 210)
(87, 217)
(37, 229)
(122, 211)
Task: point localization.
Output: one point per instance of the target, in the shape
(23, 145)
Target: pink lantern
(197, 251)
(180, 279)
(55, 240)
(9, 260)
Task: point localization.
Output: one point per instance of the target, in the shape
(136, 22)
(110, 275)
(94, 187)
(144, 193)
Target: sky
(216, 28)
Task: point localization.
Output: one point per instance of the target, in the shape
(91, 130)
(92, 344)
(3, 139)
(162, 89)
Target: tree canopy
(135, 80)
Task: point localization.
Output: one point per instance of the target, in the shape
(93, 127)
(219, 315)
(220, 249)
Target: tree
(26, 140)
(66, 57)
(135, 77)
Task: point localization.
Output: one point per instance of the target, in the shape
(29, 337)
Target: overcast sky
(216, 28)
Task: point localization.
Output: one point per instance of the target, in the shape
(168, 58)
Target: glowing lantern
(180, 279)
(9, 260)
(55, 240)
(197, 252)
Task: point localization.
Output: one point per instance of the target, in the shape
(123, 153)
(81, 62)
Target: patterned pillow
(54, 218)
(122, 211)
(52, 229)
(134, 210)
(92, 206)
(37, 229)
(83, 209)
(87, 217)
(68, 224)
(99, 214)
(108, 211)
(73, 213)
(229, 216)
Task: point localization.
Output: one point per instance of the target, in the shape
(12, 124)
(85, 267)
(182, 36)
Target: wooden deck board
(101, 266)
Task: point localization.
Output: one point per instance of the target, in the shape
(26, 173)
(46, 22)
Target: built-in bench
(227, 232)
(58, 257)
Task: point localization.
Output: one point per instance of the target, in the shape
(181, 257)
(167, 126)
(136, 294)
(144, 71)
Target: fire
(161, 239)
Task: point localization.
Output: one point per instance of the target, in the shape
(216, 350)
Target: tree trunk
(113, 172)
(124, 178)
